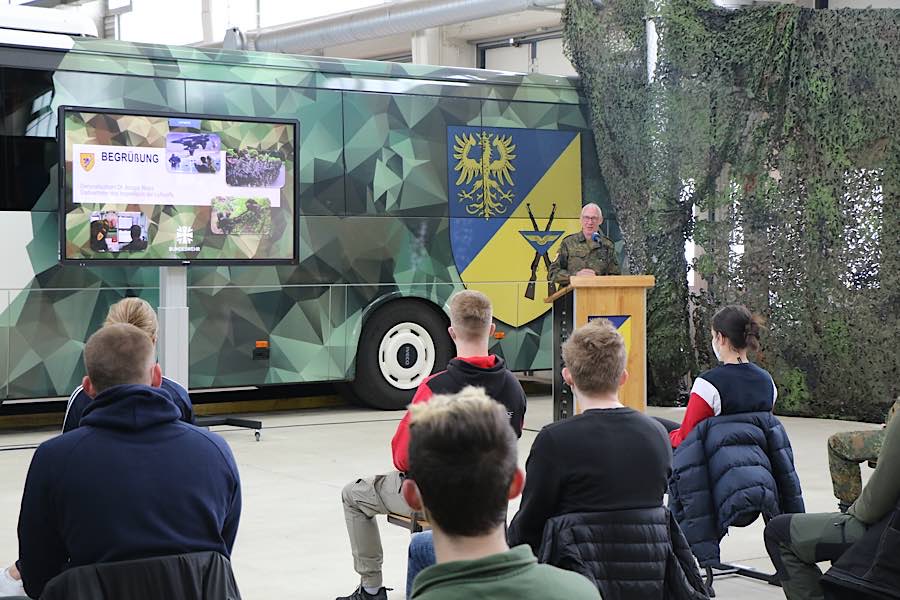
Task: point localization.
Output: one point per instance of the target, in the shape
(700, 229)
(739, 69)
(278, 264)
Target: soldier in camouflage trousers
(582, 254)
(846, 450)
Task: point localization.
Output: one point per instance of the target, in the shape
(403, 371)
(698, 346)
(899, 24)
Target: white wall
(511, 58)
(550, 59)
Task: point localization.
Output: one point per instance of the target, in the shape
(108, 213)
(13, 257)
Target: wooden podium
(623, 300)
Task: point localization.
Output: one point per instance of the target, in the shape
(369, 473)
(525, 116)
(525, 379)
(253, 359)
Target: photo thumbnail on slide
(112, 231)
(251, 167)
(193, 152)
(241, 216)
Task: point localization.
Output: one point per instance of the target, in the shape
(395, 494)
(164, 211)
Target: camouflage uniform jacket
(576, 253)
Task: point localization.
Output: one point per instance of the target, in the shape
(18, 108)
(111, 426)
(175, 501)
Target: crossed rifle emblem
(540, 240)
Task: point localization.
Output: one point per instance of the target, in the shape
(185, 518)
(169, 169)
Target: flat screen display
(175, 189)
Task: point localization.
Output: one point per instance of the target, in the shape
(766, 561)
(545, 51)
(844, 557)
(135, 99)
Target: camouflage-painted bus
(415, 182)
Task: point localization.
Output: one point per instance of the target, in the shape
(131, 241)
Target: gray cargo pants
(363, 499)
(796, 542)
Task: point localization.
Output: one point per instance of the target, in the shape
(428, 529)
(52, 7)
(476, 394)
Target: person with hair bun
(736, 385)
(137, 312)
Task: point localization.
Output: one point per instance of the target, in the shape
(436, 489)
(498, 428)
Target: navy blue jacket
(133, 481)
(79, 401)
(728, 471)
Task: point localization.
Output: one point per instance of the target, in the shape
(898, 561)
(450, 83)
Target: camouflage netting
(770, 136)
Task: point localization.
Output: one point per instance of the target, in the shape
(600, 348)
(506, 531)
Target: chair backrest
(625, 553)
(195, 576)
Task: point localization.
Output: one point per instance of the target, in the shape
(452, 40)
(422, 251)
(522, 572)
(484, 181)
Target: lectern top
(580, 281)
(603, 281)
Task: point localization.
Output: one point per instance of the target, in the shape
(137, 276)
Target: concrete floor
(292, 540)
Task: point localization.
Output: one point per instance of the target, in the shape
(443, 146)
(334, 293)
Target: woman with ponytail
(736, 385)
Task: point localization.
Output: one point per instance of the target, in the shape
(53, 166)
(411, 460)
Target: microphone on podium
(596, 237)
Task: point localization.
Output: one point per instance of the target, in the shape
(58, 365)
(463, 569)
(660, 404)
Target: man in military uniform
(846, 450)
(584, 254)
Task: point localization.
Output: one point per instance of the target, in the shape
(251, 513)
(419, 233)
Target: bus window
(28, 149)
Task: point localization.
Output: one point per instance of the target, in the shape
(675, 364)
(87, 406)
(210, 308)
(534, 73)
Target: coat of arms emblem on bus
(87, 160)
(513, 194)
(491, 191)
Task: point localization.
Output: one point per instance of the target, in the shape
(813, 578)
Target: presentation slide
(176, 188)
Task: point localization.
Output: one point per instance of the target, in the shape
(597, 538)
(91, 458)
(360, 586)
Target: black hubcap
(407, 356)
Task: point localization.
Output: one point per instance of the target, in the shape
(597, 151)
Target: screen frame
(170, 262)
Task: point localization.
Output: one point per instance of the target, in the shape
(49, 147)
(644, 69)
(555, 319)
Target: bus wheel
(401, 344)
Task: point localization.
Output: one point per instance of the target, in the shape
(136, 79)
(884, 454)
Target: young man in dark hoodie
(133, 480)
(471, 327)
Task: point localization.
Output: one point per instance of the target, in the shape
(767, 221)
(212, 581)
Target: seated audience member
(796, 542)
(846, 450)
(607, 458)
(462, 473)
(735, 386)
(471, 327)
(733, 460)
(139, 313)
(132, 480)
(132, 311)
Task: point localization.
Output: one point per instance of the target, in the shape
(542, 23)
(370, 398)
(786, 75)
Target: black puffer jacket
(871, 567)
(728, 471)
(638, 553)
(195, 576)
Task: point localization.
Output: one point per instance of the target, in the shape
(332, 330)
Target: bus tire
(401, 344)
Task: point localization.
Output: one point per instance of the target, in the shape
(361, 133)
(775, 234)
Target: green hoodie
(514, 574)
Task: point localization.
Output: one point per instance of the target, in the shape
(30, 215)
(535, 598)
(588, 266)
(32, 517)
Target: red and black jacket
(488, 372)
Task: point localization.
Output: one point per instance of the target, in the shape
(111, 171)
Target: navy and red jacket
(726, 389)
(488, 372)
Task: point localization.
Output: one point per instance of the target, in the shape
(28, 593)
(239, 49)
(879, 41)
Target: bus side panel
(298, 322)
(47, 335)
(396, 155)
(396, 151)
(228, 322)
(405, 257)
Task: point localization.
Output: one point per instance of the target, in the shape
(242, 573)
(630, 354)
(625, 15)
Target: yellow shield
(86, 160)
(513, 194)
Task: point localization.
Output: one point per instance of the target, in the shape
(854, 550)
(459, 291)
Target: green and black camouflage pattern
(372, 205)
(847, 450)
(577, 253)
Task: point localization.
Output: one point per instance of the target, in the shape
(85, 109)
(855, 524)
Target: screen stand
(174, 324)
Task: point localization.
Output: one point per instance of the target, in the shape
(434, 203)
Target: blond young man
(463, 472)
(607, 458)
(471, 327)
